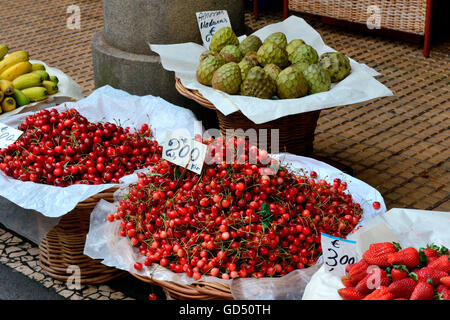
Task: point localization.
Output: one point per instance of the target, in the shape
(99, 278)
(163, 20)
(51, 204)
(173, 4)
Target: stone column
(123, 59)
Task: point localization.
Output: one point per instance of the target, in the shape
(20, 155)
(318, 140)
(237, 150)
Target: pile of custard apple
(269, 68)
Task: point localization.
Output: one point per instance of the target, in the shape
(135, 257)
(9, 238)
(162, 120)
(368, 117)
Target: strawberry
(370, 281)
(350, 294)
(422, 291)
(442, 263)
(427, 255)
(399, 272)
(402, 288)
(443, 292)
(382, 293)
(428, 273)
(445, 281)
(349, 267)
(357, 272)
(378, 254)
(346, 282)
(409, 257)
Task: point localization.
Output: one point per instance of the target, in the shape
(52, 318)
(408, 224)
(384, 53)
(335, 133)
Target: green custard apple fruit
(245, 67)
(272, 70)
(301, 66)
(224, 36)
(291, 84)
(251, 43)
(292, 46)
(318, 79)
(305, 53)
(258, 84)
(270, 52)
(251, 57)
(231, 53)
(207, 68)
(279, 38)
(227, 78)
(336, 64)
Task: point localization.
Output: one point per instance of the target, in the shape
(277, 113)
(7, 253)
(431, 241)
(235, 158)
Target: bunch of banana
(22, 82)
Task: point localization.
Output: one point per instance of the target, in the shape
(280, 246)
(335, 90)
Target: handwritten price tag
(8, 135)
(337, 253)
(185, 152)
(211, 21)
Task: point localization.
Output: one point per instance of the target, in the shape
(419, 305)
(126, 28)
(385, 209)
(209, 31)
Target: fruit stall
(119, 184)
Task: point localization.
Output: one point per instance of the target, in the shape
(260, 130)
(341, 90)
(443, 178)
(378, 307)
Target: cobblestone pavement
(399, 145)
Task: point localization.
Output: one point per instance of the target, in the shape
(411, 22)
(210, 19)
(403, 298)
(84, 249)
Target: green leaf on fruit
(397, 246)
(267, 218)
(176, 173)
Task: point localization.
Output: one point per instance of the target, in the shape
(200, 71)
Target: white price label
(8, 135)
(185, 152)
(211, 21)
(337, 253)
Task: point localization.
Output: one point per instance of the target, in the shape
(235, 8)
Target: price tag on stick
(337, 253)
(211, 21)
(185, 152)
(8, 135)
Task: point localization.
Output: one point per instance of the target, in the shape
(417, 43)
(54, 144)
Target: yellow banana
(35, 93)
(51, 87)
(6, 87)
(44, 75)
(3, 50)
(37, 66)
(12, 59)
(1, 95)
(27, 80)
(54, 79)
(9, 104)
(16, 70)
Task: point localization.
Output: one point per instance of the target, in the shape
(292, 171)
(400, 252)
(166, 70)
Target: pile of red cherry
(64, 148)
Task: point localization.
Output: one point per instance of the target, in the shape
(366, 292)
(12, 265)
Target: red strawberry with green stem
(442, 292)
(357, 272)
(442, 263)
(398, 272)
(434, 275)
(375, 278)
(402, 288)
(408, 257)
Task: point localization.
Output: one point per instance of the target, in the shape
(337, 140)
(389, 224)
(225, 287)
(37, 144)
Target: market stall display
(70, 199)
(194, 247)
(240, 111)
(403, 245)
(27, 84)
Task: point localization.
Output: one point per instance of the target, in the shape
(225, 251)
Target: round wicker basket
(197, 291)
(296, 132)
(63, 246)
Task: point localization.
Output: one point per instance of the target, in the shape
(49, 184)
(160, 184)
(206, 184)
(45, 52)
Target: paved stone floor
(399, 145)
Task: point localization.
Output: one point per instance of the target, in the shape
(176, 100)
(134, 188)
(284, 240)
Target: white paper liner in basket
(357, 87)
(103, 241)
(68, 89)
(409, 227)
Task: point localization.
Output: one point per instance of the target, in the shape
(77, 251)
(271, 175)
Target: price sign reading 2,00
(6, 136)
(181, 148)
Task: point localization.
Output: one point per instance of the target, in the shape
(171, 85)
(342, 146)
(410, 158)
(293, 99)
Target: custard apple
(251, 43)
(291, 84)
(279, 38)
(207, 68)
(224, 36)
(336, 64)
(269, 52)
(231, 53)
(317, 78)
(305, 53)
(227, 78)
(258, 84)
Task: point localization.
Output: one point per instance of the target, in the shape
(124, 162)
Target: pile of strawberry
(233, 220)
(388, 272)
(64, 148)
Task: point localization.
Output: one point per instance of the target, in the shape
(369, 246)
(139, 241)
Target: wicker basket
(63, 246)
(401, 15)
(197, 291)
(296, 132)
